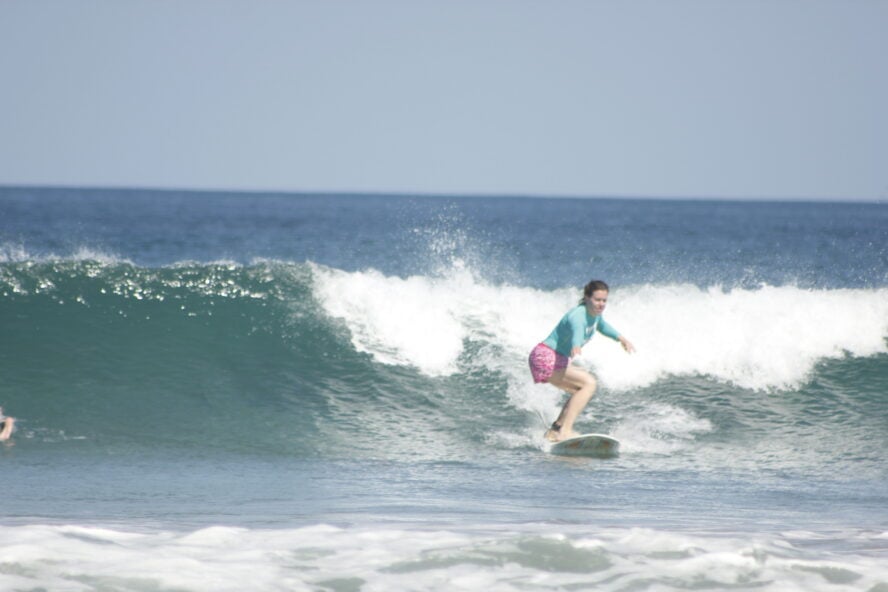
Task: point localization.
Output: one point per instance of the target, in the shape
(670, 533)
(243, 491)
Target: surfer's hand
(627, 345)
(576, 351)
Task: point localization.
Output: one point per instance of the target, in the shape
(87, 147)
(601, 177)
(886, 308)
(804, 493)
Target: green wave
(242, 358)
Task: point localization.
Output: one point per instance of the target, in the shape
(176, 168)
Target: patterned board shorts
(544, 361)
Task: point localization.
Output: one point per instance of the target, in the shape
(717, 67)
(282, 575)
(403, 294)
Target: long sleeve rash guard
(576, 328)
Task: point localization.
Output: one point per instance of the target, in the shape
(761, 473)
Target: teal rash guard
(576, 328)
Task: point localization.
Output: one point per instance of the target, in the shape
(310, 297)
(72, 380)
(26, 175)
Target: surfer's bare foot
(553, 436)
(566, 435)
(557, 433)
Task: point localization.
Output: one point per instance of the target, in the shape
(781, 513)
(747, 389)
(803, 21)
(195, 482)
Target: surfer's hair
(593, 286)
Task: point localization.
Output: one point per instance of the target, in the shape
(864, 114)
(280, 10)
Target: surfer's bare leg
(581, 386)
(6, 432)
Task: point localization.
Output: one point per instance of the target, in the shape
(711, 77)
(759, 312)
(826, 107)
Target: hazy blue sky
(707, 98)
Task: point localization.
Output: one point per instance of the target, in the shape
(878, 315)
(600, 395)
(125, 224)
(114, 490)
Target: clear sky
(683, 98)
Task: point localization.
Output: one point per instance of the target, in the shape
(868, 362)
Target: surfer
(550, 360)
(6, 426)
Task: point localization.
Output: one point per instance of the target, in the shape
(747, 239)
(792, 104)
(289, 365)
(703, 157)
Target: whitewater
(288, 392)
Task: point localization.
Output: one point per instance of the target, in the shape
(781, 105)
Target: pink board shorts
(544, 361)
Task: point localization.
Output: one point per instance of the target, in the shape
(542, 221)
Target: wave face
(315, 361)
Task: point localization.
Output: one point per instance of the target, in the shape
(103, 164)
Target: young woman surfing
(550, 360)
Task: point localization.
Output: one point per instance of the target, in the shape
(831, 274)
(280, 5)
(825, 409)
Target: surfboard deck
(595, 445)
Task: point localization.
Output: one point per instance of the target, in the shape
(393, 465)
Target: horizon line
(440, 195)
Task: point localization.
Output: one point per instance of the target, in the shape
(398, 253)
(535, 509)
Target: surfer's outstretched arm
(608, 330)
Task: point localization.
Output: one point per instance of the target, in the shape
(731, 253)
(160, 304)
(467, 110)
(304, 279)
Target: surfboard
(596, 445)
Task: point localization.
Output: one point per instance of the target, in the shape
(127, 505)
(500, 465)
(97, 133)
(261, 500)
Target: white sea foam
(768, 338)
(425, 321)
(524, 557)
(763, 339)
(659, 428)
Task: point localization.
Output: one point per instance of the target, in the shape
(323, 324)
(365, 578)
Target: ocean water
(220, 391)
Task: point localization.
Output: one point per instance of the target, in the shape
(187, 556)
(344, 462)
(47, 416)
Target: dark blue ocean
(235, 391)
